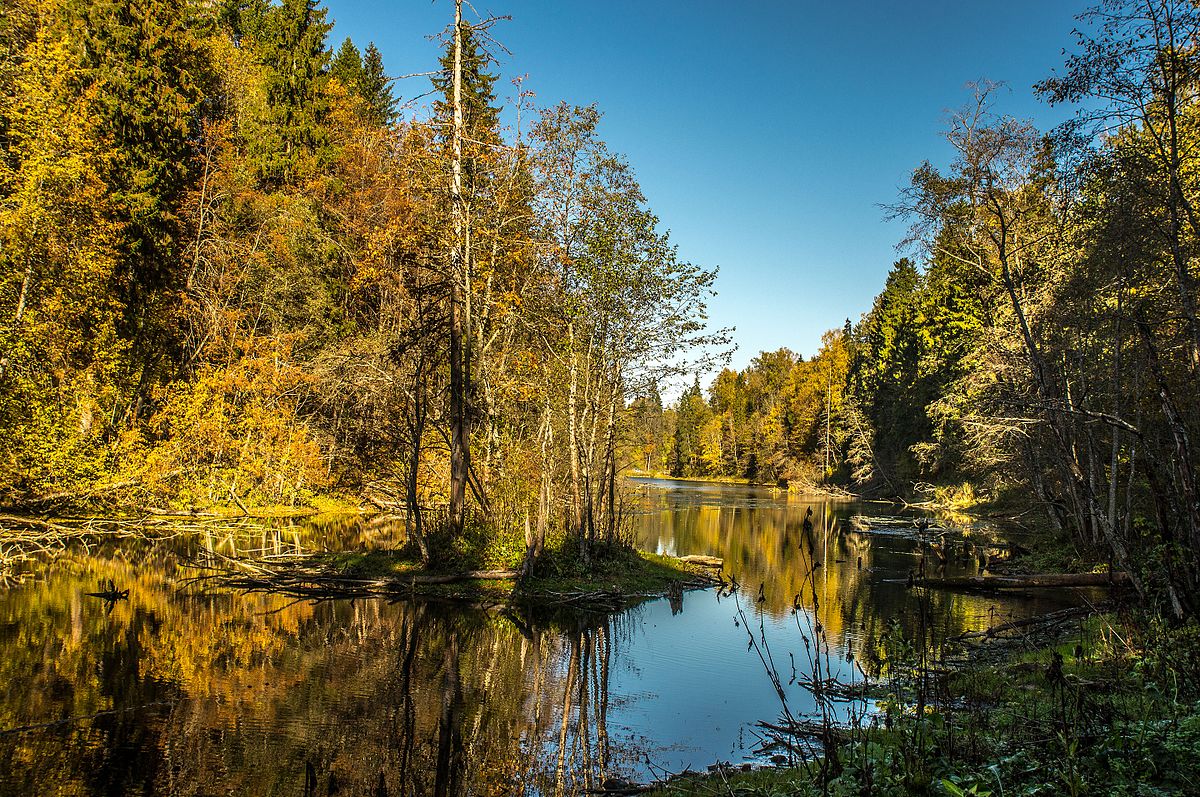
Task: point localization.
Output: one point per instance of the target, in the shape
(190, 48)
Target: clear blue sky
(765, 135)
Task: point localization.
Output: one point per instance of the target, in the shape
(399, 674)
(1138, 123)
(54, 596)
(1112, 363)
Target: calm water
(181, 692)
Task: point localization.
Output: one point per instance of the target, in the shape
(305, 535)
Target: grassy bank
(614, 577)
(1111, 708)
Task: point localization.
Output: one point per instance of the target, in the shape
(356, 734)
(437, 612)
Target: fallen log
(702, 561)
(805, 728)
(110, 595)
(1034, 581)
(1052, 618)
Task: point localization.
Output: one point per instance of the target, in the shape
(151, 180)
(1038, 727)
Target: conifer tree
(691, 416)
(144, 77)
(375, 88)
(363, 76)
(347, 66)
(480, 117)
(243, 19)
(148, 75)
(293, 49)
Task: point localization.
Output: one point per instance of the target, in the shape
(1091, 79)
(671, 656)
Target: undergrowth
(1113, 709)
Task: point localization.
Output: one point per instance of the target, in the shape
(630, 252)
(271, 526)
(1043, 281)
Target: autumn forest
(268, 300)
(235, 273)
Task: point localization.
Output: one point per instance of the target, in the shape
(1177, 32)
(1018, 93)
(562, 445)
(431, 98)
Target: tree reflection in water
(182, 693)
(203, 695)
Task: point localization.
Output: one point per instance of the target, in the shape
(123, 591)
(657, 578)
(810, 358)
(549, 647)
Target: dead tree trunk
(460, 459)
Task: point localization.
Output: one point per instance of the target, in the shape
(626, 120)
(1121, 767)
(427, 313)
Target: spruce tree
(243, 19)
(347, 66)
(375, 88)
(293, 49)
(480, 117)
(147, 75)
(690, 417)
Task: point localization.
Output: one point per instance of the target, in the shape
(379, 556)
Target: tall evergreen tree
(375, 88)
(243, 19)
(145, 76)
(293, 49)
(148, 75)
(481, 118)
(347, 66)
(691, 416)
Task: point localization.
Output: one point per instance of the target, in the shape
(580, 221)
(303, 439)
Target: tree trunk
(460, 461)
(1040, 581)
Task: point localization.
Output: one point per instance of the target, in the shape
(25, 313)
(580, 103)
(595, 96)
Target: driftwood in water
(110, 595)
(807, 728)
(1035, 581)
(1046, 620)
(309, 583)
(617, 786)
(702, 561)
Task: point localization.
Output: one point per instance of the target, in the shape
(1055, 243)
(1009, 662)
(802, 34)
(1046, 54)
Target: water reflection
(176, 691)
(859, 576)
(231, 694)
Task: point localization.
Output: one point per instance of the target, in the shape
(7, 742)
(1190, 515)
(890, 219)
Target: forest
(234, 274)
(1039, 343)
(283, 332)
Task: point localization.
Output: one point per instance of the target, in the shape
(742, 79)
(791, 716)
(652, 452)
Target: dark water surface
(178, 691)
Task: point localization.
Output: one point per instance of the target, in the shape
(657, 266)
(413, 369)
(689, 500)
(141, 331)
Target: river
(182, 690)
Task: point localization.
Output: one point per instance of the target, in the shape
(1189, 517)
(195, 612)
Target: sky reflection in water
(179, 693)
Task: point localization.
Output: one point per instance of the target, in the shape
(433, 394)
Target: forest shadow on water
(176, 690)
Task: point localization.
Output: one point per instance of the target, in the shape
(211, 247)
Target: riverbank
(1108, 707)
(640, 474)
(614, 579)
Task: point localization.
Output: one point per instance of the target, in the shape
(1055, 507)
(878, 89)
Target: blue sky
(765, 135)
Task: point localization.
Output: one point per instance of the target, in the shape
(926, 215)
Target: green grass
(616, 571)
(624, 571)
(1122, 719)
(370, 564)
(768, 781)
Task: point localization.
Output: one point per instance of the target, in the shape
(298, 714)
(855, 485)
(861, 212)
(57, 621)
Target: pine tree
(147, 75)
(692, 415)
(480, 117)
(243, 19)
(363, 77)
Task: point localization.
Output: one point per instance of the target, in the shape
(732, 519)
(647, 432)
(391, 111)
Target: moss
(369, 564)
(630, 573)
(765, 781)
(615, 575)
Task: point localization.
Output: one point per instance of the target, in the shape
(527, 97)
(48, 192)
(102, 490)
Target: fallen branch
(1050, 619)
(702, 561)
(1036, 581)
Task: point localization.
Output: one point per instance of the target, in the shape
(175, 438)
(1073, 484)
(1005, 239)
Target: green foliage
(781, 420)
(363, 75)
(347, 65)
(1103, 727)
(146, 73)
(376, 88)
(691, 415)
(291, 140)
(480, 115)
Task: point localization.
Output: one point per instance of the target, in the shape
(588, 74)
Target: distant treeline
(231, 273)
(1043, 342)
